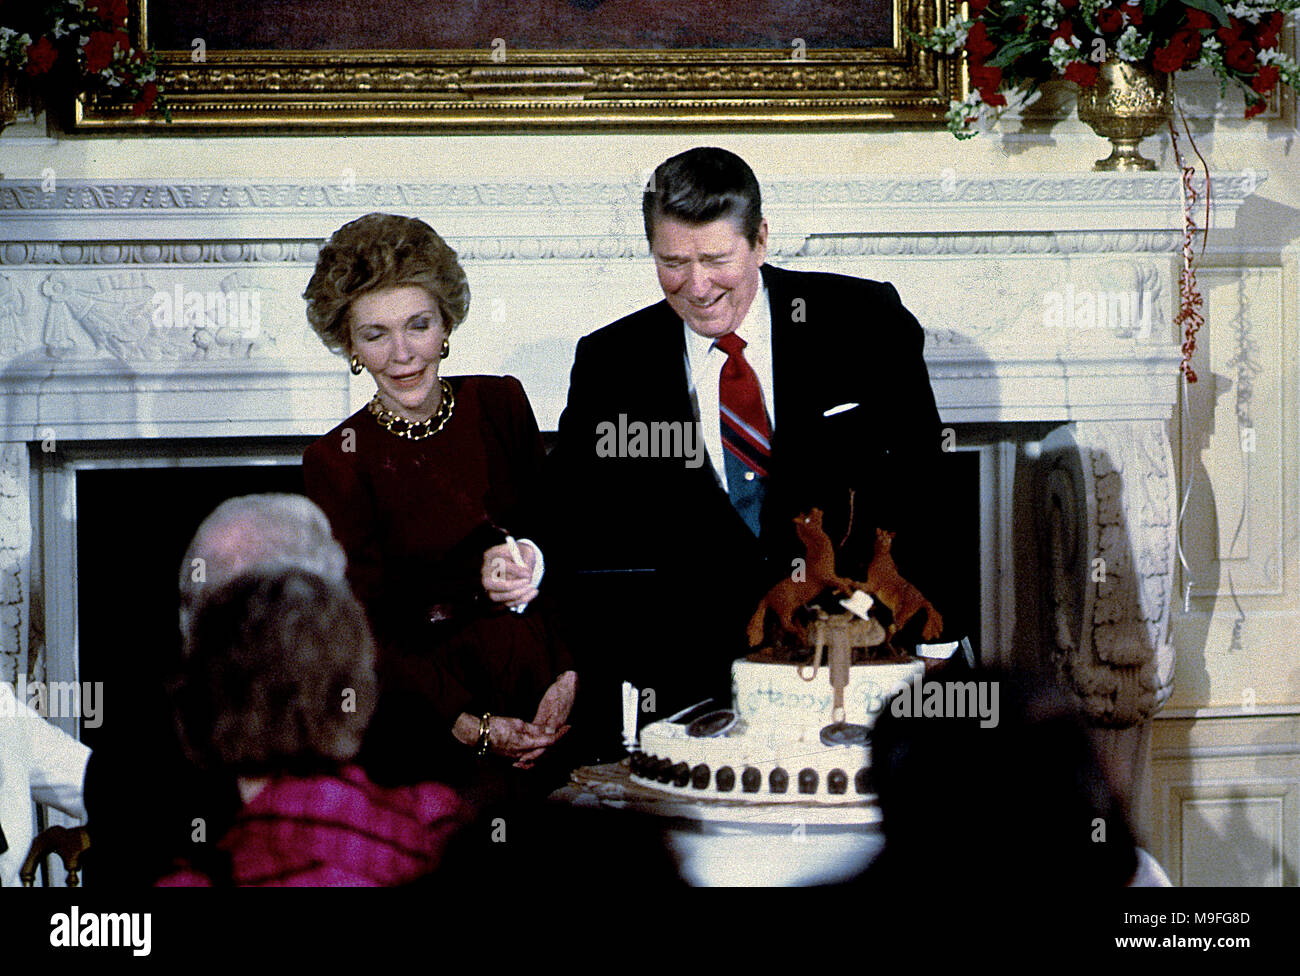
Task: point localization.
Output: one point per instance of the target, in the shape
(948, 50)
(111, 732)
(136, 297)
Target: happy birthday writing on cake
(873, 699)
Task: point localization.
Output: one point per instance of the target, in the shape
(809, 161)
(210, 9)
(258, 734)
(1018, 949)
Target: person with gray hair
(148, 805)
(268, 531)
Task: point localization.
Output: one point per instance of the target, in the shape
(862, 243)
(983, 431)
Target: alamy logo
(949, 699)
(1122, 312)
(57, 699)
(74, 930)
(657, 439)
(239, 309)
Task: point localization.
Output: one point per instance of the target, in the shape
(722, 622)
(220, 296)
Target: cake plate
(719, 842)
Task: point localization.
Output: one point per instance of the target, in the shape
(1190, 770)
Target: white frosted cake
(775, 751)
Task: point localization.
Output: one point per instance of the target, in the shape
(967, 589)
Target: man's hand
(504, 580)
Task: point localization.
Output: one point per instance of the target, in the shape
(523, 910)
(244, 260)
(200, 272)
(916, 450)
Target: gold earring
(446, 349)
(354, 364)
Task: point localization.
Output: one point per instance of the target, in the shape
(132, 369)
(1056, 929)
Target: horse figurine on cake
(789, 594)
(884, 583)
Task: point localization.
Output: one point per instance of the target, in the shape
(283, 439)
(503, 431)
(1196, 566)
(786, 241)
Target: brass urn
(1127, 103)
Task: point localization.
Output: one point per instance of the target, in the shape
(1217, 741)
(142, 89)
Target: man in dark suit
(680, 464)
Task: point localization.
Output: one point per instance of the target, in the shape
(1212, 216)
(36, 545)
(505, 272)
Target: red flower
(1255, 108)
(987, 80)
(1239, 56)
(1199, 19)
(1064, 30)
(1265, 81)
(1110, 20)
(1134, 12)
(978, 7)
(113, 11)
(41, 56)
(978, 45)
(1069, 4)
(1081, 73)
(1182, 48)
(100, 49)
(148, 94)
(1269, 30)
(1231, 33)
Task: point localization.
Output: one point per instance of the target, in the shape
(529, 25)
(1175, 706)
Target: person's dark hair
(1023, 802)
(278, 676)
(703, 185)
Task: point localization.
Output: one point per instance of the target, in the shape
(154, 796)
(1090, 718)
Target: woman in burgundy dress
(429, 489)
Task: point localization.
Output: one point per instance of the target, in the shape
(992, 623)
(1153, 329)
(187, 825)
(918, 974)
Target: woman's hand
(504, 580)
(553, 712)
(512, 738)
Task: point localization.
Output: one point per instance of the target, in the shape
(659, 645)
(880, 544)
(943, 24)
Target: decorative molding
(604, 247)
(1109, 511)
(970, 245)
(15, 557)
(194, 252)
(1228, 190)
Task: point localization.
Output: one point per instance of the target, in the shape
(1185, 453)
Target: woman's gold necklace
(402, 427)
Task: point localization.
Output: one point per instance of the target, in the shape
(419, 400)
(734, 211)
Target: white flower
(1132, 46)
(1062, 53)
(1270, 56)
(1244, 12)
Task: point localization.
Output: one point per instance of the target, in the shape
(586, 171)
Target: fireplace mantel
(979, 259)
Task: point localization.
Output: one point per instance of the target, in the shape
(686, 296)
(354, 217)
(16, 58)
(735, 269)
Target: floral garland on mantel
(85, 37)
(1013, 46)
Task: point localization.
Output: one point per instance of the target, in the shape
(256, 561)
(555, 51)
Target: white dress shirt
(704, 362)
(38, 761)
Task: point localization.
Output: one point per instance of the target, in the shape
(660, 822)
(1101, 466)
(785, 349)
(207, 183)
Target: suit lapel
(786, 346)
(662, 353)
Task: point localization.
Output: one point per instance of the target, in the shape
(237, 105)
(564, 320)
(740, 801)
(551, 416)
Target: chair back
(69, 843)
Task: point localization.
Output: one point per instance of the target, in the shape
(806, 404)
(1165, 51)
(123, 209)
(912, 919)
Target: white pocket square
(842, 408)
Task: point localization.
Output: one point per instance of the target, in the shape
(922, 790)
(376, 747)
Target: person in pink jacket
(276, 690)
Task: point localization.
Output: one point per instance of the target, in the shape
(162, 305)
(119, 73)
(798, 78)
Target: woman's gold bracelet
(484, 734)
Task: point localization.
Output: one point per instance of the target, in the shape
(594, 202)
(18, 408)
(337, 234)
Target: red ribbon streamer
(1190, 302)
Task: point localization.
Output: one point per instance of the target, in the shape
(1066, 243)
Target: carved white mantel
(976, 259)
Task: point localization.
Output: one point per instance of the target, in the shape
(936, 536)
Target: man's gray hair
(258, 532)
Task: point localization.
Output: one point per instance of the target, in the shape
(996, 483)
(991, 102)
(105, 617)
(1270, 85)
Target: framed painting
(473, 65)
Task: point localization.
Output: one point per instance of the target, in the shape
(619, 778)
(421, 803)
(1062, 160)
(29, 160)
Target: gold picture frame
(467, 90)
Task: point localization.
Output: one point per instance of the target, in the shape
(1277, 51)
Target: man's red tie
(746, 433)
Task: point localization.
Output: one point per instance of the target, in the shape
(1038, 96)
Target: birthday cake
(777, 749)
(798, 729)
